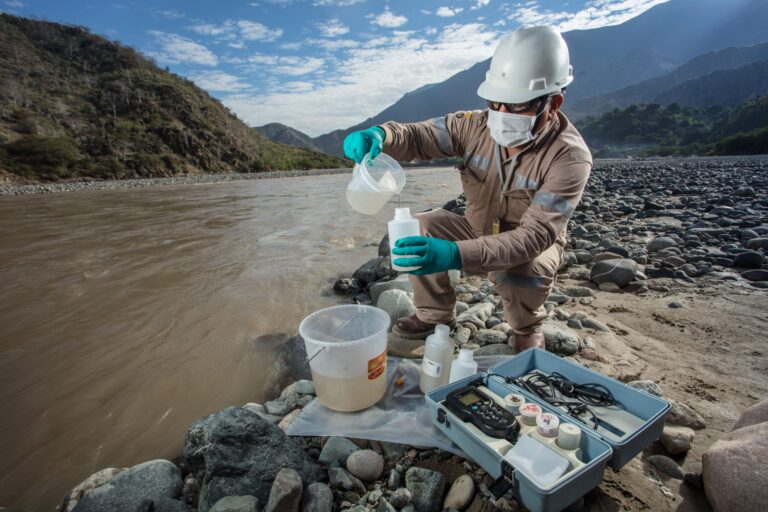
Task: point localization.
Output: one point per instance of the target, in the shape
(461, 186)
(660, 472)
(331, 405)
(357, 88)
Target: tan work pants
(523, 289)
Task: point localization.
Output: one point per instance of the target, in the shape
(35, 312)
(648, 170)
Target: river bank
(80, 186)
(663, 287)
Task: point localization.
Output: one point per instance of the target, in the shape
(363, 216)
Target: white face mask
(511, 130)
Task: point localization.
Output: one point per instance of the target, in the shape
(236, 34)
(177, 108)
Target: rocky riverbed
(663, 288)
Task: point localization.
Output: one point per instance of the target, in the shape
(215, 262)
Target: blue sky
(318, 65)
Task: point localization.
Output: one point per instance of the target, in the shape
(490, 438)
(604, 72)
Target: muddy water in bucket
(347, 354)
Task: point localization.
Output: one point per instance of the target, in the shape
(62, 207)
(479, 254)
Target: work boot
(411, 328)
(525, 341)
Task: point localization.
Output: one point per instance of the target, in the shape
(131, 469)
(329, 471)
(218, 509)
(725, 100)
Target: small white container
(529, 412)
(463, 366)
(513, 402)
(436, 364)
(547, 424)
(403, 225)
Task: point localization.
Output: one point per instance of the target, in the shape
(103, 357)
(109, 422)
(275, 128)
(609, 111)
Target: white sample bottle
(401, 226)
(436, 364)
(463, 366)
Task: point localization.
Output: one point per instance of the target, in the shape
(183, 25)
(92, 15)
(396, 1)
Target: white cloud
(424, 11)
(479, 4)
(236, 46)
(244, 29)
(290, 46)
(218, 81)
(299, 86)
(332, 28)
(334, 44)
(408, 60)
(15, 4)
(282, 65)
(388, 19)
(447, 12)
(176, 49)
(171, 14)
(596, 13)
(336, 3)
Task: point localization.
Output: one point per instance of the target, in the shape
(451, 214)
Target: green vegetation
(648, 130)
(77, 106)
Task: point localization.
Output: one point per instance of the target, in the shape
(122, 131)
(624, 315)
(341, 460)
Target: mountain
(604, 59)
(727, 87)
(74, 105)
(648, 91)
(286, 135)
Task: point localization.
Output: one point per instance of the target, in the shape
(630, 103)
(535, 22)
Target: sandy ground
(710, 354)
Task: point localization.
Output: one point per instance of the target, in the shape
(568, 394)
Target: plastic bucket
(374, 182)
(347, 352)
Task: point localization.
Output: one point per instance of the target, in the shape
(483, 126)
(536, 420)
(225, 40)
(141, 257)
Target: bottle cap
(442, 330)
(465, 355)
(402, 213)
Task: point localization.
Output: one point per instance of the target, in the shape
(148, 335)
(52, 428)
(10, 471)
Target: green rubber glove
(433, 254)
(358, 143)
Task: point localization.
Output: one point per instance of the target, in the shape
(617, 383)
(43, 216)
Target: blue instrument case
(621, 434)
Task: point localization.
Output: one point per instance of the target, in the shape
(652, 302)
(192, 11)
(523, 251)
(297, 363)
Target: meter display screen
(469, 399)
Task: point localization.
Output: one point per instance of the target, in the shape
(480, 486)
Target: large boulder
(426, 487)
(620, 272)
(399, 283)
(734, 468)
(236, 452)
(155, 484)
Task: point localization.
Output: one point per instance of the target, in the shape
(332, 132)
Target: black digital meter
(471, 405)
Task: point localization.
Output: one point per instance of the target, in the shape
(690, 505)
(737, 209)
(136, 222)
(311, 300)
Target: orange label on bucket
(377, 365)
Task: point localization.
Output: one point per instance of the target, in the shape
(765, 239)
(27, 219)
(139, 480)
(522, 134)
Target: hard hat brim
(489, 91)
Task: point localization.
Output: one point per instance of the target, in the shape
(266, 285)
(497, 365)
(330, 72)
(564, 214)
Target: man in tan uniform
(524, 169)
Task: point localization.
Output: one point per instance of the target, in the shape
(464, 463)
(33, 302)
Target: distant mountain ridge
(605, 59)
(660, 89)
(74, 105)
(286, 135)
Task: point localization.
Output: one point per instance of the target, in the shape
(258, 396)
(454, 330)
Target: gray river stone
(235, 452)
(156, 483)
(317, 497)
(367, 465)
(427, 488)
(620, 272)
(337, 450)
(285, 495)
(236, 504)
(560, 340)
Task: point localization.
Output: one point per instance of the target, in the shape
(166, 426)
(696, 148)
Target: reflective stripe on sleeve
(441, 132)
(479, 162)
(522, 281)
(525, 182)
(553, 202)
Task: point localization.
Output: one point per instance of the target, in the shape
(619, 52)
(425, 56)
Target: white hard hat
(529, 62)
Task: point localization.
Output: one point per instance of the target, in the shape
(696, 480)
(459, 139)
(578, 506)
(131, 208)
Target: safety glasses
(521, 108)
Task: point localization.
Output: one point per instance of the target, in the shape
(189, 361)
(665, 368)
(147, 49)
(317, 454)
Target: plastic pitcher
(374, 182)
(347, 353)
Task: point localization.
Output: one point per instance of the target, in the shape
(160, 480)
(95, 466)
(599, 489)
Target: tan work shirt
(545, 182)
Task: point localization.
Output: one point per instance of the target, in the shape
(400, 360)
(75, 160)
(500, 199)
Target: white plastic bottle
(401, 226)
(463, 366)
(436, 364)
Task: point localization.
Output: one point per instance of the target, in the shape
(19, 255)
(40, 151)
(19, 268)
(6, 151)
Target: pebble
(560, 340)
(426, 488)
(285, 495)
(495, 349)
(461, 493)
(340, 478)
(393, 482)
(489, 337)
(666, 465)
(400, 498)
(675, 305)
(236, 504)
(367, 465)
(317, 497)
(620, 272)
(337, 450)
(677, 439)
(574, 323)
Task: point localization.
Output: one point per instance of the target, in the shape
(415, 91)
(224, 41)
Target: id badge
(495, 227)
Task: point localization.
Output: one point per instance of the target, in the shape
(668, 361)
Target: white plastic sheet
(402, 416)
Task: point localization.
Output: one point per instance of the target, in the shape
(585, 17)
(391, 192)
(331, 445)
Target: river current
(127, 314)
